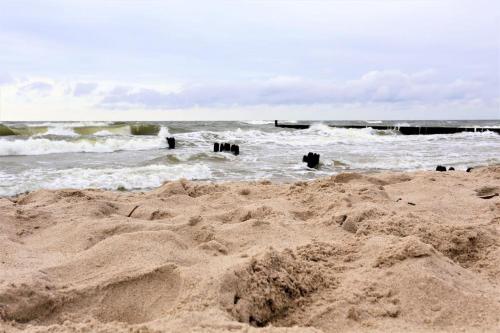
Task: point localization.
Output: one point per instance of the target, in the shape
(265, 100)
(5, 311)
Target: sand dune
(386, 252)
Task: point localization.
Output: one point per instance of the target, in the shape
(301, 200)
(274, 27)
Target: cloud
(373, 87)
(84, 89)
(38, 88)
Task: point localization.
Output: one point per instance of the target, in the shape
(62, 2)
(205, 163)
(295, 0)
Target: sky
(235, 60)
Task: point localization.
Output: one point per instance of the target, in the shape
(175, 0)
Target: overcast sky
(143, 60)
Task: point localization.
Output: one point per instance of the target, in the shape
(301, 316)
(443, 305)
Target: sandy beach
(380, 252)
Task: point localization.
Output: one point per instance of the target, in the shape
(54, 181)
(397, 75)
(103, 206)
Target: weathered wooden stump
(171, 143)
(224, 146)
(312, 160)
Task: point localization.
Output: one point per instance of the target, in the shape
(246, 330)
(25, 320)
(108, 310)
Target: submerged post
(171, 142)
(312, 160)
(224, 146)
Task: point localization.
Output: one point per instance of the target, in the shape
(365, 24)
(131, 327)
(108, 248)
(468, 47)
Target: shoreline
(284, 181)
(355, 252)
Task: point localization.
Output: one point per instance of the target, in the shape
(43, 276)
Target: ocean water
(135, 156)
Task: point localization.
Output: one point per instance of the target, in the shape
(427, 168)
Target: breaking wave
(79, 128)
(42, 146)
(106, 178)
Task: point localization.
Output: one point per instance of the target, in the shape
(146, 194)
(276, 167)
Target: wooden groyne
(425, 130)
(291, 125)
(406, 130)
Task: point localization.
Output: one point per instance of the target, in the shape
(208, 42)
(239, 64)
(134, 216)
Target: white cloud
(388, 94)
(373, 87)
(84, 89)
(39, 88)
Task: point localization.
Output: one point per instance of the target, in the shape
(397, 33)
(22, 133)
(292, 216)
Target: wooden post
(312, 160)
(171, 143)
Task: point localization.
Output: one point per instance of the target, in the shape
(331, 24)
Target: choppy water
(134, 155)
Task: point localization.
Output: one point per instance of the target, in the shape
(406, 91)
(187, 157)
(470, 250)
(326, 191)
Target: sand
(384, 252)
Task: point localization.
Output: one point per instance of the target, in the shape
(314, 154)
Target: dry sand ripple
(384, 252)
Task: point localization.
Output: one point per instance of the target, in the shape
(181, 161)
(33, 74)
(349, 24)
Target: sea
(135, 156)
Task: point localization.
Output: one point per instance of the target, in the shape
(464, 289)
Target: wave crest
(42, 146)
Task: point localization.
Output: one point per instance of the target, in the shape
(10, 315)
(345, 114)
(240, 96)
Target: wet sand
(385, 252)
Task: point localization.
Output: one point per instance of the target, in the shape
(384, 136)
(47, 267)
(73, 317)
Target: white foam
(163, 133)
(318, 134)
(41, 146)
(258, 122)
(107, 178)
(103, 133)
(59, 131)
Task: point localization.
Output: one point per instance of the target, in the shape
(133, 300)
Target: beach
(249, 166)
(392, 251)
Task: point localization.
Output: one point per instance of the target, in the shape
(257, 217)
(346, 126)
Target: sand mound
(386, 252)
(26, 302)
(468, 245)
(409, 247)
(268, 287)
(113, 300)
(247, 213)
(157, 291)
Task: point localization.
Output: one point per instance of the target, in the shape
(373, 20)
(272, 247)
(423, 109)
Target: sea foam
(106, 178)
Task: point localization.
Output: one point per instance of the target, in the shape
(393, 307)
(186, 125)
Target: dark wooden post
(312, 159)
(171, 143)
